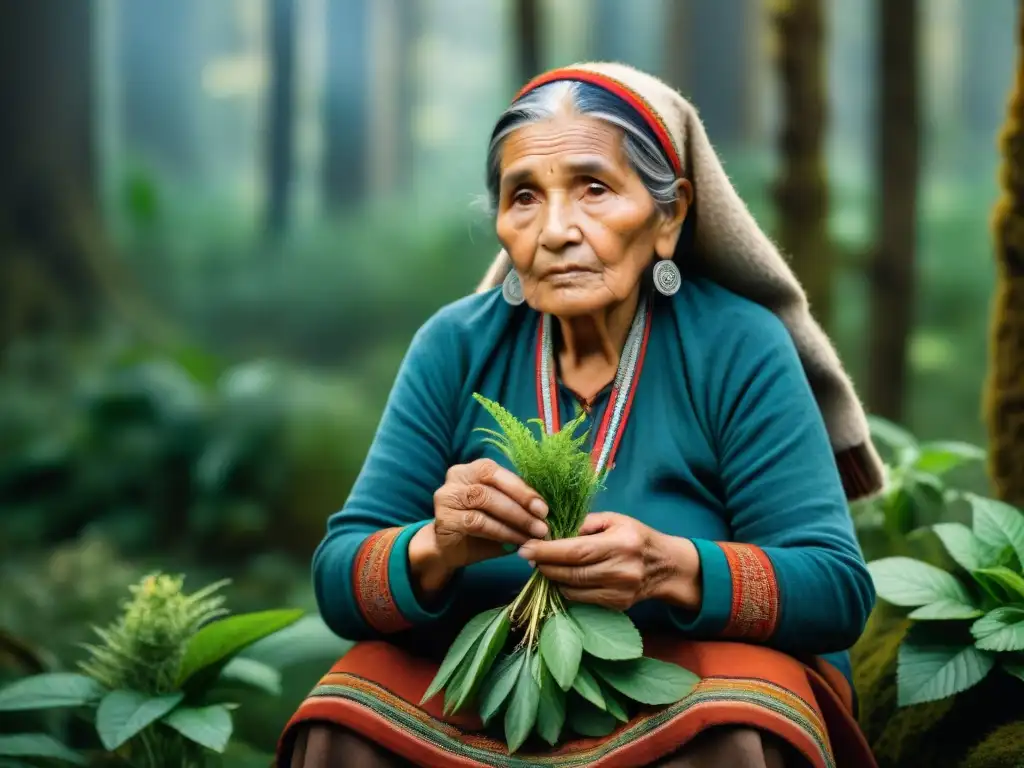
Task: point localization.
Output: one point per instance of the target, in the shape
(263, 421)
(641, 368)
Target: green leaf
(586, 685)
(930, 673)
(216, 643)
(486, 651)
(561, 646)
(966, 549)
(616, 707)
(459, 649)
(945, 610)
(997, 524)
(607, 634)
(1011, 581)
(308, 639)
(521, 714)
(907, 582)
(123, 714)
(551, 709)
(940, 457)
(252, 674)
(1017, 670)
(898, 512)
(38, 745)
(1000, 630)
(648, 681)
(208, 727)
(498, 685)
(59, 689)
(891, 434)
(587, 720)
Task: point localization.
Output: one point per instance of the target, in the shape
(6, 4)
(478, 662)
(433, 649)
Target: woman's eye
(596, 189)
(523, 197)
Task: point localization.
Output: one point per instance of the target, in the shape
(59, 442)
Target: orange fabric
(375, 690)
(755, 593)
(373, 585)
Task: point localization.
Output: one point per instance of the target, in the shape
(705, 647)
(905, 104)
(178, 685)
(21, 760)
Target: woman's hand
(480, 509)
(617, 561)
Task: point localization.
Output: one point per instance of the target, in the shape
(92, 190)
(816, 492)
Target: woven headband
(624, 92)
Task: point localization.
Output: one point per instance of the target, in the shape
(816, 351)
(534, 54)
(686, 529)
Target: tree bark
(281, 115)
(528, 39)
(892, 278)
(52, 262)
(346, 163)
(1004, 404)
(801, 191)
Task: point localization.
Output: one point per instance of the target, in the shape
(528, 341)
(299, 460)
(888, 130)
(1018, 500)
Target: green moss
(952, 733)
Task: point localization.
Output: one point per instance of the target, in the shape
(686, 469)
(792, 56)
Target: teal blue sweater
(724, 444)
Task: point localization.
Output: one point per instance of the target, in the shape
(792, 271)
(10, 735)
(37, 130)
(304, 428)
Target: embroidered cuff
(716, 594)
(754, 610)
(383, 584)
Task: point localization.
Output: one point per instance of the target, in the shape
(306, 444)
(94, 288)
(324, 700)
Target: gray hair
(642, 151)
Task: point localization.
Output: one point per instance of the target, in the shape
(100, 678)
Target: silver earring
(667, 278)
(512, 289)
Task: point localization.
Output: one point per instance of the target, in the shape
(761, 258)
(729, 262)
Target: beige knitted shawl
(730, 249)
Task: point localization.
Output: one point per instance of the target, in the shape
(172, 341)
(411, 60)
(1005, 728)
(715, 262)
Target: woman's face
(575, 218)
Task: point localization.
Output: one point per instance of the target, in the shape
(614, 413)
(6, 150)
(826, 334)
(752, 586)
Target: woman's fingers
(491, 501)
(572, 576)
(491, 473)
(582, 550)
(480, 525)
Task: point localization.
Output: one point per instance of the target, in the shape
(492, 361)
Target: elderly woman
(634, 283)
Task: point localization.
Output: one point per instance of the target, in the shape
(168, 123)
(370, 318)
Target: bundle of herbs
(549, 665)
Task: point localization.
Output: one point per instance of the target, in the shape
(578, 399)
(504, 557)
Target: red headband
(635, 100)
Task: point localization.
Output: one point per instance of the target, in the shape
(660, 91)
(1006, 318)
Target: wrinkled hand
(616, 562)
(481, 507)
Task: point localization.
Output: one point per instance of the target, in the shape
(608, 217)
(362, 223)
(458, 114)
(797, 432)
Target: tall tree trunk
(801, 192)
(281, 115)
(52, 262)
(346, 163)
(892, 279)
(1005, 387)
(528, 39)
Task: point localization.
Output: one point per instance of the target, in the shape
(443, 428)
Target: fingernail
(538, 529)
(533, 564)
(539, 508)
(526, 552)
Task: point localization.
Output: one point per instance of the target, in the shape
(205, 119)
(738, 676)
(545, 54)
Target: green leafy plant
(964, 623)
(574, 667)
(154, 682)
(916, 476)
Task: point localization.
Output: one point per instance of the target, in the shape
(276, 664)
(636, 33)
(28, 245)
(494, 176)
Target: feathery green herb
(571, 668)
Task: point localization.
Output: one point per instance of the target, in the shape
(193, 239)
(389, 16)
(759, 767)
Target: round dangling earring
(667, 278)
(512, 289)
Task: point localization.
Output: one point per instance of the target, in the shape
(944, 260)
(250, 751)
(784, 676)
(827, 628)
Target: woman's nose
(560, 228)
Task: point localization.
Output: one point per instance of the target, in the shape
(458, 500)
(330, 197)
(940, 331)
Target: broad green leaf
(616, 707)
(1017, 670)
(898, 512)
(997, 523)
(216, 643)
(486, 651)
(59, 689)
(521, 714)
(907, 582)
(498, 685)
(607, 634)
(648, 681)
(38, 745)
(123, 714)
(1011, 581)
(252, 673)
(453, 691)
(5, 763)
(561, 646)
(586, 685)
(945, 610)
(1000, 630)
(551, 709)
(940, 457)
(308, 639)
(891, 434)
(208, 727)
(930, 673)
(459, 649)
(587, 720)
(966, 549)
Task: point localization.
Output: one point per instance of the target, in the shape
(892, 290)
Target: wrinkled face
(575, 218)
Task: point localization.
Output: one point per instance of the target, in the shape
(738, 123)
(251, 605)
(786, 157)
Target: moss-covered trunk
(801, 192)
(1005, 390)
(891, 273)
(528, 39)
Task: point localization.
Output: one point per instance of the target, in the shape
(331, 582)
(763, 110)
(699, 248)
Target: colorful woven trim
(373, 585)
(755, 593)
(715, 700)
(624, 92)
